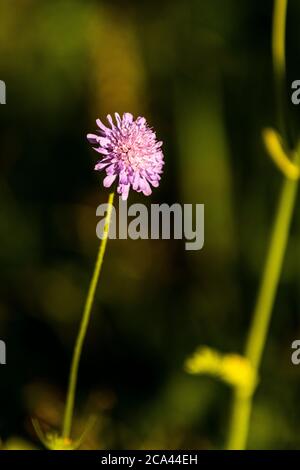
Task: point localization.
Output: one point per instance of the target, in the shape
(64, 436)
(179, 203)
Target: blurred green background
(201, 72)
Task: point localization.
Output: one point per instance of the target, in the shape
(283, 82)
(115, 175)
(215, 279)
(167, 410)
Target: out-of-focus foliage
(202, 75)
(233, 369)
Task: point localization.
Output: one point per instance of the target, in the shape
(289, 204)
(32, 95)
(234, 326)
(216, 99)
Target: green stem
(242, 404)
(279, 62)
(69, 409)
(262, 314)
(271, 274)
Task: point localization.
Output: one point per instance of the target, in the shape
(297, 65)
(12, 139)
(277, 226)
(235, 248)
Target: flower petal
(125, 191)
(100, 165)
(93, 138)
(109, 118)
(101, 125)
(108, 180)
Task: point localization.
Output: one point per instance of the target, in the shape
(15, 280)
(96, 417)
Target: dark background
(201, 72)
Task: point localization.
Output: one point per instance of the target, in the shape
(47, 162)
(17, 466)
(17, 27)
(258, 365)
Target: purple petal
(92, 138)
(104, 141)
(141, 121)
(125, 192)
(123, 178)
(136, 181)
(109, 118)
(101, 125)
(99, 166)
(101, 150)
(118, 119)
(146, 188)
(111, 169)
(108, 180)
(127, 118)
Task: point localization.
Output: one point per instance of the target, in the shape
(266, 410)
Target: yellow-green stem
(271, 274)
(69, 409)
(242, 404)
(279, 62)
(262, 314)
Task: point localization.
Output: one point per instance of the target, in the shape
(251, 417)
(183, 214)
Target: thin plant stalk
(257, 336)
(279, 61)
(69, 409)
(262, 314)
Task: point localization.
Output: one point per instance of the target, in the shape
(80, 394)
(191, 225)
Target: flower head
(130, 152)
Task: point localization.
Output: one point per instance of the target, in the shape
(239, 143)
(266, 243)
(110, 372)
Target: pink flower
(130, 152)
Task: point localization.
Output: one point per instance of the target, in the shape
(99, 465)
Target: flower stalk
(262, 314)
(69, 409)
